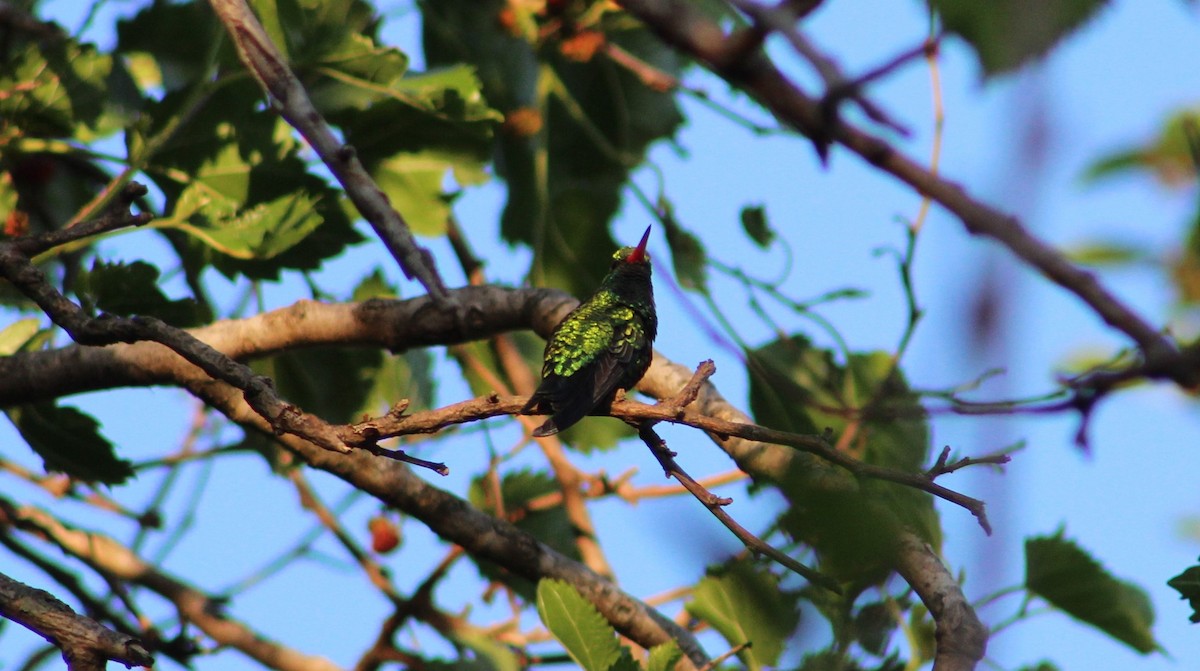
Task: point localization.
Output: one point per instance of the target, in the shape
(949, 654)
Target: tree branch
(264, 60)
(86, 644)
(961, 637)
(113, 560)
(416, 322)
(456, 521)
(683, 25)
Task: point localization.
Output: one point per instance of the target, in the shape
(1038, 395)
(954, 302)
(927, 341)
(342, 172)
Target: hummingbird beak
(639, 252)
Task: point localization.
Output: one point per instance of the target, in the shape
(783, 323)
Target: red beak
(639, 252)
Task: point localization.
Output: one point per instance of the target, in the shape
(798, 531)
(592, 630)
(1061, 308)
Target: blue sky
(1107, 88)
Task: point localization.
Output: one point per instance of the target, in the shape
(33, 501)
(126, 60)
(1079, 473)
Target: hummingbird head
(632, 256)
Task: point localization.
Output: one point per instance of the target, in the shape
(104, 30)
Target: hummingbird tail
(548, 428)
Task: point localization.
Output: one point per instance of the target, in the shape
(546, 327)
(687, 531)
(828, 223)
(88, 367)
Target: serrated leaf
(238, 190)
(745, 604)
(549, 525)
(440, 114)
(55, 89)
(1066, 576)
(413, 183)
(625, 662)
(132, 289)
(754, 222)
(565, 174)
(851, 522)
(373, 285)
(69, 441)
(575, 622)
(331, 382)
(1188, 586)
(409, 376)
(664, 657)
(1006, 34)
(15, 335)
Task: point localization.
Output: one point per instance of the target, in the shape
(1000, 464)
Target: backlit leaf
(132, 289)
(1188, 586)
(69, 441)
(575, 622)
(745, 603)
(1006, 34)
(1064, 574)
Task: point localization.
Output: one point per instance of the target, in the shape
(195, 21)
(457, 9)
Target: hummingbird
(603, 345)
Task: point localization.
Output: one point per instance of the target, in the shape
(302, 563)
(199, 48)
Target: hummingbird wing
(573, 398)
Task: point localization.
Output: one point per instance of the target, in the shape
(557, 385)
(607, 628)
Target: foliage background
(1022, 141)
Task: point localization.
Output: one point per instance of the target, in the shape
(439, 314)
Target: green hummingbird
(603, 345)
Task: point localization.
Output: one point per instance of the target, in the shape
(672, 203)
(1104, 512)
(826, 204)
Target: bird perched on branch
(603, 345)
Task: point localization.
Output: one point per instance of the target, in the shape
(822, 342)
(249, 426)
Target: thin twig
(715, 505)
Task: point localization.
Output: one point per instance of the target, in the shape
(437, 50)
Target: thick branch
(961, 637)
(85, 643)
(480, 534)
(394, 325)
(411, 323)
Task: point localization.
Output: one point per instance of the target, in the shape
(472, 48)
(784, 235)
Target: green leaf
(874, 625)
(828, 660)
(239, 197)
(55, 89)
(1005, 34)
(1065, 575)
(1170, 158)
(408, 375)
(1041, 666)
(489, 654)
(1108, 253)
(69, 441)
(15, 335)
(852, 523)
(441, 114)
(1188, 586)
(687, 253)
(331, 382)
(132, 289)
(413, 183)
(664, 656)
(373, 285)
(175, 36)
(261, 232)
(549, 525)
(754, 222)
(625, 662)
(315, 35)
(745, 603)
(575, 622)
(565, 174)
